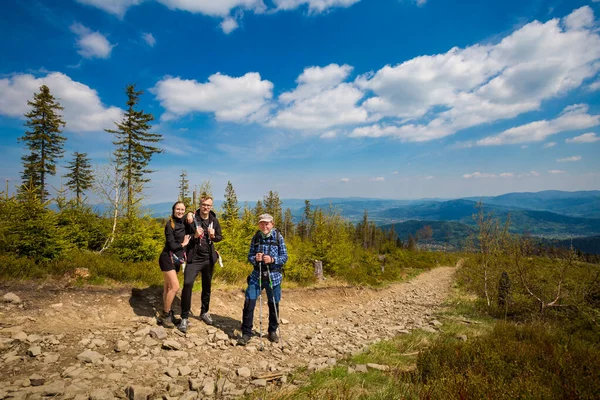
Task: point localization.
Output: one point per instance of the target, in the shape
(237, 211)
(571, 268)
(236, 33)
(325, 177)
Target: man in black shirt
(201, 256)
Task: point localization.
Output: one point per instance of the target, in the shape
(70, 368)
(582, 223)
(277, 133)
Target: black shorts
(166, 263)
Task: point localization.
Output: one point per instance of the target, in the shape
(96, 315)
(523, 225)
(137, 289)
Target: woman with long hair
(171, 259)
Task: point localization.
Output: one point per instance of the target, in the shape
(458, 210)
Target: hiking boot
(244, 340)
(183, 325)
(273, 337)
(206, 318)
(175, 320)
(166, 320)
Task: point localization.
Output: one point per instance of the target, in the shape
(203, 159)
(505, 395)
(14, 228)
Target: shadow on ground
(147, 302)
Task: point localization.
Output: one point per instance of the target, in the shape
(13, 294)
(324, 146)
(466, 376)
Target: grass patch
(498, 360)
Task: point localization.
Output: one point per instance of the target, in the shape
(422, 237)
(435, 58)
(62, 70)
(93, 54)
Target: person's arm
(252, 252)
(172, 243)
(282, 254)
(217, 226)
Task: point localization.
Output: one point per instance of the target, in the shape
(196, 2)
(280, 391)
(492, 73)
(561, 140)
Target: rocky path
(105, 344)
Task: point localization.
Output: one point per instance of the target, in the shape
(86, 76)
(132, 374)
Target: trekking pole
(260, 304)
(276, 305)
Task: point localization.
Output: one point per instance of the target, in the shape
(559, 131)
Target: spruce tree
(184, 189)
(231, 209)
(80, 176)
(134, 148)
(273, 206)
(43, 139)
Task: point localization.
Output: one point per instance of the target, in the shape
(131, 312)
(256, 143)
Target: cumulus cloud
(437, 95)
(83, 109)
(149, 39)
(378, 179)
(223, 8)
(589, 137)
(345, 180)
(548, 145)
(556, 172)
(240, 99)
(321, 100)
(229, 24)
(569, 159)
(91, 44)
(572, 118)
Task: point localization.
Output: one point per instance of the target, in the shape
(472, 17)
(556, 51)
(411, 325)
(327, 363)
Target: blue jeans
(273, 297)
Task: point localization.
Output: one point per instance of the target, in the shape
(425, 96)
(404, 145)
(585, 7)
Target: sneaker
(206, 318)
(244, 340)
(183, 325)
(175, 320)
(273, 337)
(165, 320)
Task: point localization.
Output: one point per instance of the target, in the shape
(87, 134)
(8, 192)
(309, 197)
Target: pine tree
(273, 206)
(44, 141)
(231, 209)
(184, 188)
(288, 223)
(134, 148)
(81, 177)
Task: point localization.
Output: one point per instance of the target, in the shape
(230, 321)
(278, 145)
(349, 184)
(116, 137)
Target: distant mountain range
(550, 214)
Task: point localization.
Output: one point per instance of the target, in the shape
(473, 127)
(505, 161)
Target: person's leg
(171, 288)
(273, 299)
(189, 277)
(249, 304)
(207, 273)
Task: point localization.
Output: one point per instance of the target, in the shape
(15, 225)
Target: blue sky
(395, 99)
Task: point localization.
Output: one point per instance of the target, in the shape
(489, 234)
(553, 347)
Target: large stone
(135, 392)
(11, 298)
(158, 333)
(34, 351)
(244, 372)
(171, 345)
(90, 356)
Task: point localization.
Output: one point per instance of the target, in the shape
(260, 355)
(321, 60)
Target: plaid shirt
(271, 247)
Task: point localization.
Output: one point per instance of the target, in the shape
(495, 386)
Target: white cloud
(572, 118)
(378, 179)
(484, 175)
(441, 94)
(524, 146)
(556, 171)
(548, 145)
(149, 39)
(314, 6)
(429, 177)
(528, 174)
(321, 100)
(91, 44)
(569, 159)
(592, 87)
(223, 8)
(116, 7)
(589, 137)
(329, 134)
(83, 109)
(240, 99)
(345, 180)
(229, 24)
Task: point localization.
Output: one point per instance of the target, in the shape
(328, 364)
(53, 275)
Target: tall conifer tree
(43, 139)
(134, 148)
(80, 176)
(184, 189)
(231, 209)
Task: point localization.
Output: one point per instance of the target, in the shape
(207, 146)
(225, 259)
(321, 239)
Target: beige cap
(265, 218)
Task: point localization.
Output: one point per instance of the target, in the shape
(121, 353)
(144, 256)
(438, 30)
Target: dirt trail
(45, 334)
